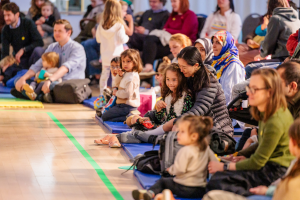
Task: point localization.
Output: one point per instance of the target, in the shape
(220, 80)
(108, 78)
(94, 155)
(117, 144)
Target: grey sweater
(283, 23)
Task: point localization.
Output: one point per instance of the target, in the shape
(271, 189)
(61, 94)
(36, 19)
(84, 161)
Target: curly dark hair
(272, 4)
(182, 86)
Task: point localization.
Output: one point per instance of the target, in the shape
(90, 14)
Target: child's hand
(160, 105)
(114, 91)
(128, 18)
(168, 169)
(42, 19)
(1, 77)
(258, 58)
(46, 75)
(260, 190)
(120, 72)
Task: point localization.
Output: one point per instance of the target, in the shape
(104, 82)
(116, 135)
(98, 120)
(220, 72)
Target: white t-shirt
(215, 22)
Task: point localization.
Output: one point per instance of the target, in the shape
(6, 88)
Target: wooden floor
(38, 160)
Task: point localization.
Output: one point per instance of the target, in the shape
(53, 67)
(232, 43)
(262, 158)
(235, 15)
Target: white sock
(157, 131)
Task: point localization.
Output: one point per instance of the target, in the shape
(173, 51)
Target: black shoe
(17, 94)
(48, 98)
(99, 112)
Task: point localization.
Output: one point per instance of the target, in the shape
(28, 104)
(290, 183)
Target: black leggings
(177, 189)
(240, 182)
(153, 49)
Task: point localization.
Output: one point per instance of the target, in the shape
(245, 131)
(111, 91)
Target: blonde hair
(182, 39)
(166, 62)
(48, 3)
(134, 55)
(68, 26)
(51, 58)
(277, 98)
(8, 60)
(112, 14)
(123, 3)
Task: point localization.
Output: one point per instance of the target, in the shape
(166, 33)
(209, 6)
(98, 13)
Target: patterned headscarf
(229, 53)
(206, 43)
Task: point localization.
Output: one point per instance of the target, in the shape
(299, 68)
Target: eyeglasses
(253, 90)
(116, 67)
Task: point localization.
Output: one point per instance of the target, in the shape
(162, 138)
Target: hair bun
(166, 60)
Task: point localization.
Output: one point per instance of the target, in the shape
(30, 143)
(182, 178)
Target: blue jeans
(92, 50)
(258, 197)
(117, 113)
(249, 68)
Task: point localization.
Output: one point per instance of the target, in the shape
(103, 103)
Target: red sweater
(186, 24)
(292, 43)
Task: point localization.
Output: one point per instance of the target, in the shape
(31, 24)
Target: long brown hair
(34, 10)
(272, 4)
(201, 125)
(112, 14)
(182, 87)
(294, 133)
(133, 55)
(277, 99)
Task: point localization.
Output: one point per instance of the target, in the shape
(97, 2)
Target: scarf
(206, 43)
(228, 55)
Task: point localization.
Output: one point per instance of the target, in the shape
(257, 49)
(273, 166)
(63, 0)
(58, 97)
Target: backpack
(72, 91)
(147, 163)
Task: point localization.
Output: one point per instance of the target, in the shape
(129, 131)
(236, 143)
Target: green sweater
(273, 143)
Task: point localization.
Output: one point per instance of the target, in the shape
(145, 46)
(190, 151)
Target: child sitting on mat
(175, 95)
(7, 69)
(190, 165)
(160, 75)
(50, 66)
(127, 83)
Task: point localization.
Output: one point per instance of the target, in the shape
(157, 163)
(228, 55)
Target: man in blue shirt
(72, 60)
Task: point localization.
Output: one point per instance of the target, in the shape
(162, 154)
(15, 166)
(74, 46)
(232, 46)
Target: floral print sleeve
(188, 104)
(161, 116)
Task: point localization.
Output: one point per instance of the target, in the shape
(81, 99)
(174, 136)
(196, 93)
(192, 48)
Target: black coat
(210, 101)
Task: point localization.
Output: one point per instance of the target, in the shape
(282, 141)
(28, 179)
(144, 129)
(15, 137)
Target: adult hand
(20, 83)
(259, 190)
(19, 55)
(238, 158)
(250, 42)
(258, 58)
(160, 105)
(140, 29)
(128, 18)
(46, 87)
(215, 166)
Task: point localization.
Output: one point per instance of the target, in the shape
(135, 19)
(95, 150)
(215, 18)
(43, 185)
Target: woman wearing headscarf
(205, 48)
(230, 70)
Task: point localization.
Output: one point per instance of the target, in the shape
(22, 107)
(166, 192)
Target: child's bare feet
(114, 142)
(104, 140)
(166, 195)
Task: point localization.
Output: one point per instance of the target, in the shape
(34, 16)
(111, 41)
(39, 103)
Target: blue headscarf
(229, 53)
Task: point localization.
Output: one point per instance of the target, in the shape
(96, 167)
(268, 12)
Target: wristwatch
(226, 166)
(49, 80)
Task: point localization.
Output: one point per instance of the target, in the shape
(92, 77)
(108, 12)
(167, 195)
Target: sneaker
(17, 94)
(142, 194)
(48, 98)
(29, 92)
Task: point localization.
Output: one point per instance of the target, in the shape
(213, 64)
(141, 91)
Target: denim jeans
(92, 50)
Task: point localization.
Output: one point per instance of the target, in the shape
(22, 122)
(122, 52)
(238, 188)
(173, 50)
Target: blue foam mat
(4, 90)
(132, 150)
(89, 102)
(238, 131)
(114, 127)
(6, 96)
(147, 180)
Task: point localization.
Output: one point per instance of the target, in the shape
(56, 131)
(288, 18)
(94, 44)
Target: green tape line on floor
(98, 169)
